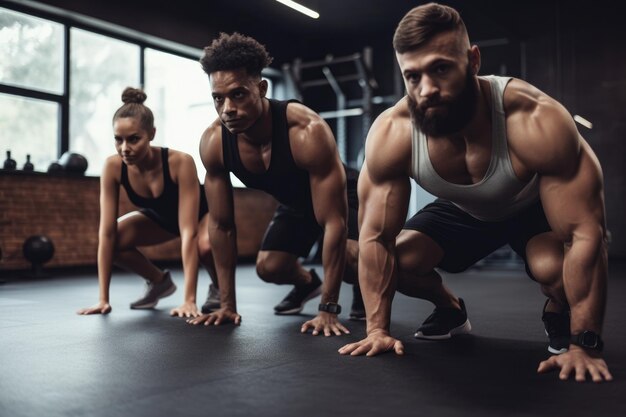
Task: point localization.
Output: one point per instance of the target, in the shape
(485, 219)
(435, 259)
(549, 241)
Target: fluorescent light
(300, 8)
(583, 121)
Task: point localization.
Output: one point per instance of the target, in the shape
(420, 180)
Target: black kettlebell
(38, 249)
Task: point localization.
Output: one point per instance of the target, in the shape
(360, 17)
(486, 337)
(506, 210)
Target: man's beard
(452, 116)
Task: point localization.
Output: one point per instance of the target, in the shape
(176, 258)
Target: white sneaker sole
(464, 328)
(553, 350)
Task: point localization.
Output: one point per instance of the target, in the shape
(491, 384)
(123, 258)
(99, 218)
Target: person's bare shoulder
(540, 131)
(112, 168)
(180, 162)
(388, 144)
(211, 145)
(310, 137)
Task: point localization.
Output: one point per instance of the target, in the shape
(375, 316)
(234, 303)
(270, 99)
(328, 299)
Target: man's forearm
(224, 244)
(377, 279)
(334, 259)
(585, 282)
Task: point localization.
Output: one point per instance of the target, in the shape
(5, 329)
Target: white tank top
(500, 194)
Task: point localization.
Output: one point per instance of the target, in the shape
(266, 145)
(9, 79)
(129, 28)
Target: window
(29, 127)
(100, 67)
(31, 51)
(180, 98)
(32, 63)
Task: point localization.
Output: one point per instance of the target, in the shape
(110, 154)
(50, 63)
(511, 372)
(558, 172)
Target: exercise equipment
(346, 75)
(9, 163)
(28, 166)
(73, 163)
(55, 168)
(38, 249)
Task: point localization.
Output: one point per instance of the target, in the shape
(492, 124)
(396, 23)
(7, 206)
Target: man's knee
(270, 268)
(545, 259)
(417, 253)
(547, 268)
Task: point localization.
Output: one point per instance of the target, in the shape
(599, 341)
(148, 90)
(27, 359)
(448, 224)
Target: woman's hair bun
(133, 95)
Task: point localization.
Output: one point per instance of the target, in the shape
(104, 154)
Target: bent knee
(269, 268)
(545, 259)
(546, 268)
(204, 247)
(417, 253)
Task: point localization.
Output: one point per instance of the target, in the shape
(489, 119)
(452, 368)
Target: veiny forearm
(189, 254)
(334, 259)
(377, 279)
(224, 244)
(585, 282)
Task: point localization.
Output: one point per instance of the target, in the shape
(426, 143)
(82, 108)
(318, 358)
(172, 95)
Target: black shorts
(295, 231)
(171, 225)
(465, 240)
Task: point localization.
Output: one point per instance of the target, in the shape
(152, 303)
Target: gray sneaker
(154, 292)
(212, 302)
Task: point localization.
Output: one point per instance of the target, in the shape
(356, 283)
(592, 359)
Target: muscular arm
(383, 209)
(222, 230)
(571, 191)
(188, 206)
(314, 150)
(384, 192)
(574, 206)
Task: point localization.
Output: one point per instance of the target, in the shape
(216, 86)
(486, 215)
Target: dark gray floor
(145, 363)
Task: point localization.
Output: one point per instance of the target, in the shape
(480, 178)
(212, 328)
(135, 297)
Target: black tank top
(165, 205)
(283, 179)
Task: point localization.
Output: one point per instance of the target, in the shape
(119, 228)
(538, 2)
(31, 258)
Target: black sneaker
(154, 292)
(293, 303)
(357, 312)
(212, 302)
(557, 329)
(444, 323)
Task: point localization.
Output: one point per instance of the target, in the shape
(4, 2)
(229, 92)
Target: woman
(163, 184)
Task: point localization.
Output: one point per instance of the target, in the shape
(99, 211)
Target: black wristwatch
(333, 308)
(588, 340)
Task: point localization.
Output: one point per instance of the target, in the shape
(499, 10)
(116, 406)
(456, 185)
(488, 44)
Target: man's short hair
(232, 52)
(424, 22)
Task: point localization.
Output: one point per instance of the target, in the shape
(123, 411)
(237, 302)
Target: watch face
(330, 308)
(589, 339)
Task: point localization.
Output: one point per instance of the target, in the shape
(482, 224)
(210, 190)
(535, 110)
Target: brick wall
(66, 209)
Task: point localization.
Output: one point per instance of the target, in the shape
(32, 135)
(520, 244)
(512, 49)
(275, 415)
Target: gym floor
(145, 363)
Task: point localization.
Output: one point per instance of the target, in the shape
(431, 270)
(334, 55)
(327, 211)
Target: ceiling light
(300, 8)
